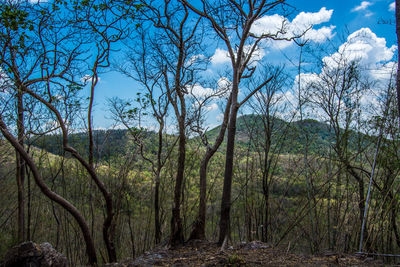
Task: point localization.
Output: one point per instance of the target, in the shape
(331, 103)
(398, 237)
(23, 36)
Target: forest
(304, 155)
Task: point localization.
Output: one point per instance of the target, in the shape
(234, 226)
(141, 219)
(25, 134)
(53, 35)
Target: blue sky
(339, 19)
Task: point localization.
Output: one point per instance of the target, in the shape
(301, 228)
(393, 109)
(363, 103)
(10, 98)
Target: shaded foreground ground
(207, 254)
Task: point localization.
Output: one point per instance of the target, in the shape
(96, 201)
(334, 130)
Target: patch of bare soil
(206, 254)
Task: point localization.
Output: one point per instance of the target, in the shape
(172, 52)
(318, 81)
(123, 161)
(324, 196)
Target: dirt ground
(201, 253)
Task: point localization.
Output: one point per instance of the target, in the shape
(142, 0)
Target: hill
(290, 137)
(108, 143)
(287, 137)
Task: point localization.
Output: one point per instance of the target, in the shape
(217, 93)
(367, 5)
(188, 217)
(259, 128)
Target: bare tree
(177, 42)
(198, 231)
(266, 104)
(232, 21)
(140, 68)
(43, 52)
(107, 23)
(336, 91)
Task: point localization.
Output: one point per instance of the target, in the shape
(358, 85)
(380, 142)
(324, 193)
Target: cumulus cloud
(199, 91)
(194, 59)
(375, 59)
(221, 56)
(363, 6)
(320, 35)
(220, 117)
(392, 6)
(212, 106)
(224, 83)
(384, 72)
(305, 20)
(365, 46)
(303, 24)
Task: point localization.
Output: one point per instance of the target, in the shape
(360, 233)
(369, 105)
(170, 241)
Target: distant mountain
(291, 137)
(287, 137)
(107, 143)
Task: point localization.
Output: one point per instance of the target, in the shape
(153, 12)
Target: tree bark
(176, 221)
(20, 170)
(224, 224)
(157, 223)
(198, 231)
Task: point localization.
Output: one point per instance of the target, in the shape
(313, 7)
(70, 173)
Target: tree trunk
(198, 231)
(90, 249)
(20, 170)
(224, 224)
(157, 223)
(176, 221)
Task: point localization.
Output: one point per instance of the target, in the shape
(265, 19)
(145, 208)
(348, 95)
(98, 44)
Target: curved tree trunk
(198, 231)
(71, 209)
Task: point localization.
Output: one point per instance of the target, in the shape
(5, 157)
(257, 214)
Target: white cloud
(392, 6)
(211, 107)
(5, 83)
(281, 27)
(363, 6)
(224, 86)
(305, 20)
(257, 55)
(375, 59)
(86, 79)
(384, 72)
(320, 35)
(194, 59)
(220, 117)
(270, 25)
(224, 83)
(369, 14)
(199, 91)
(220, 56)
(365, 46)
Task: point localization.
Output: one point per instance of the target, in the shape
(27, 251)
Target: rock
(34, 255)
(52, 257)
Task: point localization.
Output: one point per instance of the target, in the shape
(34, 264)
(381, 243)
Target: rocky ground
(200, 253)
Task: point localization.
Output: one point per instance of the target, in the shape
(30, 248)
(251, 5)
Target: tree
(27, 53)
(232, 22)
(140, 68)
(107, 23)
(336, 91)
(131, 118)
(177, 42)
(266, 104)
(44, 52)
(198, 231)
